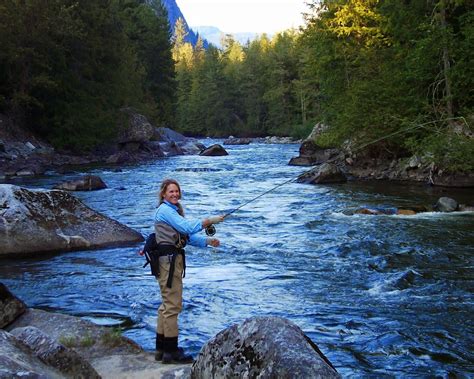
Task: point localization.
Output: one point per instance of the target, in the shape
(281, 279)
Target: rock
(312, 154)
(301, 161)
(446, 204)
(54, 354)
(34, 221)
(137, 128)
(214, 151)
(406, 280)
(278, 140)
(154, 147)
(118, 158)
(318, 129)
(406, 212)
(191, 147)
(466, 208)
(111, 355)
(167, 135)
(25, 172)
(237, 141)
(131, 147)
(10, 306)
(86, 338)
(30, 146)
(18, 361)
(262, 347)
(414, 162)
(325, 173)
(171, 149)
(86, 183)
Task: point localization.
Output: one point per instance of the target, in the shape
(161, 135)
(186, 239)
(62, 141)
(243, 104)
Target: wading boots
(174, 354)
(159, 347)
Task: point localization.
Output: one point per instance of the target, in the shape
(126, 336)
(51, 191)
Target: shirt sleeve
(175, 220)
(197, 240)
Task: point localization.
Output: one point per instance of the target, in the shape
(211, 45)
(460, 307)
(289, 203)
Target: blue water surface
(382, 296)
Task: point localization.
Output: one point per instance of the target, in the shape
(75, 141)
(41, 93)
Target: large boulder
(262, 347)
(311, 153)
(86, 183)
(168, 135)
(136, 128)
(109, 353)
(18, 361)
(214, 151)
(10, 306)
(54, 354)
(325, 173)
(33, 221)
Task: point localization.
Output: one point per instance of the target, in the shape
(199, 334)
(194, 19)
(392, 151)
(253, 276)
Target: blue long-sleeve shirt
(168, 214)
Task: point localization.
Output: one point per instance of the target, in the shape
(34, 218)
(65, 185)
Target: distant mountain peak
(174, 13)
(214, 35)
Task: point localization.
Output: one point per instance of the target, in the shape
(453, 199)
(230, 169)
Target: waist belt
(153, 258)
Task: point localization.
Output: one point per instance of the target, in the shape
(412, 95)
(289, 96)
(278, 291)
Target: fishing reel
(210, 230)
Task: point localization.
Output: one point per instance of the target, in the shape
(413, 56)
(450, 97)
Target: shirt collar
(171, 205)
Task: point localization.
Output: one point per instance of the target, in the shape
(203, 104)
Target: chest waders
(153, 252)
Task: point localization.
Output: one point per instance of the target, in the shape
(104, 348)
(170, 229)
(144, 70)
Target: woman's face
(172, 194)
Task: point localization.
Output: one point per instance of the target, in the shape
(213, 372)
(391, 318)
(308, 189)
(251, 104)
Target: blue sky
(244, 15)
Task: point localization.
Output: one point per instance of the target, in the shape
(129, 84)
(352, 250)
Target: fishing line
(411, 128)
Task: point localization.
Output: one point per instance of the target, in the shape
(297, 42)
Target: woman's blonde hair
(164, 187)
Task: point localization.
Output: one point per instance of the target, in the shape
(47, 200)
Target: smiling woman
(261, 16)
(172, 233)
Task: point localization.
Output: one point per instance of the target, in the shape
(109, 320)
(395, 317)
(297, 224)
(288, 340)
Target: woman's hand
(214, 242)
(212, 220)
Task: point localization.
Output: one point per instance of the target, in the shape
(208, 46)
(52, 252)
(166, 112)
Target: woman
(172, 233)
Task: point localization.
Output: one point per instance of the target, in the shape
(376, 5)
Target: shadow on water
(382, 296)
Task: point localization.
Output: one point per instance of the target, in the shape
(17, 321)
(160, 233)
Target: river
(382, 296)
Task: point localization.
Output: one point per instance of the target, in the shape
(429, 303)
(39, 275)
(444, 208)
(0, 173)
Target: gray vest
(167, 235)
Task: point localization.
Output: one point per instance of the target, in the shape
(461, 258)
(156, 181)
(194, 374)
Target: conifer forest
(365, 68)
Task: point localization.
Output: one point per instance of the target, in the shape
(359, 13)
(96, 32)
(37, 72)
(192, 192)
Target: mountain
(173, 14)
(214, 35)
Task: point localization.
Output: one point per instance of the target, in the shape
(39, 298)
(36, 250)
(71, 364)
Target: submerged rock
(33, 221)
(10, 306)
(86, 183)
(262, 347)
(214, 151)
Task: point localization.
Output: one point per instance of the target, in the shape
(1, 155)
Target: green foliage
(66, 68)
(377, 63)
(113, 337)
(86, 340)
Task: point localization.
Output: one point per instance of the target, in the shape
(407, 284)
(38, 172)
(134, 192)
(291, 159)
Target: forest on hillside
(68, 66)
(365, 68)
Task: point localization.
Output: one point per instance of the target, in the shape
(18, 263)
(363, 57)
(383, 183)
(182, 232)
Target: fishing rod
(211, 230)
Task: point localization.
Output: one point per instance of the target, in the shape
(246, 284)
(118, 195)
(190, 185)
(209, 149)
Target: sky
(233, 16)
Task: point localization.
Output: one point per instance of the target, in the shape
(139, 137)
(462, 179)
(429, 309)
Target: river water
(382, 296)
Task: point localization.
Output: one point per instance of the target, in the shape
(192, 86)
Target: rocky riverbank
(24, 154)
(375, 163)
(35, 343)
